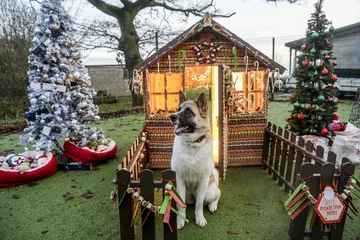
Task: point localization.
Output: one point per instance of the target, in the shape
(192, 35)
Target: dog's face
(192, 116)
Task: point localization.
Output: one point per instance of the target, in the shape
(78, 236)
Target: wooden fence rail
(133, 161)
(147, 187)
(289, 162)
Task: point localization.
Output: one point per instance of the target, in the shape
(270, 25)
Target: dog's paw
(212, 206)
(201, 221)
(180, 223)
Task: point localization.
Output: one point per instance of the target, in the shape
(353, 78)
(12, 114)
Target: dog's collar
(199, 139)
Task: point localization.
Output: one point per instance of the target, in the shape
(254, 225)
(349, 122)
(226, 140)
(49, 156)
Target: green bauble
(321, 98)
(286, 127)
(294, 74)
(315, 35)
(315, 73)
(334, 101)
(296, 105)
(331, 29)
(313, 51)
(302, 84)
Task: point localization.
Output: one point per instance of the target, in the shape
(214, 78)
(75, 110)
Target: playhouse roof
(339, 32)
(198, 27)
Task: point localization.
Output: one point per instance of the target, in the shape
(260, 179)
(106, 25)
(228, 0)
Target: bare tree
(16, 32)
(137, 21)
(132, 36)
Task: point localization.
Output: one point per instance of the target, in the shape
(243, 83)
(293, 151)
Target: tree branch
(106, 8)
(187, 11)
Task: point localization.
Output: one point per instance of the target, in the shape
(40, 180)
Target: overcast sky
(257, 21)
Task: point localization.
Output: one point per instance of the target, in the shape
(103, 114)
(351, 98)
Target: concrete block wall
(109, 78)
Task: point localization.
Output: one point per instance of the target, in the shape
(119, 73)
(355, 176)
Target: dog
(197, 179)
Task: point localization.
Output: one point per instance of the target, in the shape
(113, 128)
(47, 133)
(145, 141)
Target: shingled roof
(198, 27)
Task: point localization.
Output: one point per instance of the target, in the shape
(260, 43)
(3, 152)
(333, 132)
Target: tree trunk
(130, 46)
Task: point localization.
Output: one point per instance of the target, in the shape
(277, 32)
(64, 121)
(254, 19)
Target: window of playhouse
(198, 76)
(248, 92)
(164, 92)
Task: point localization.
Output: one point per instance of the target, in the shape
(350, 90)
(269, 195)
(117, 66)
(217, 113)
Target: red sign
(329, 207)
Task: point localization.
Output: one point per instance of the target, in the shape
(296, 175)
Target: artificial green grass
(251, 205)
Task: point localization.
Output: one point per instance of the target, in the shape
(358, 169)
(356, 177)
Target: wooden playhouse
(235, 76)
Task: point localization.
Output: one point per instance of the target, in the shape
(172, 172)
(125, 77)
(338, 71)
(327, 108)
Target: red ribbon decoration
(167, 215)
(300, 209)
(177, 200)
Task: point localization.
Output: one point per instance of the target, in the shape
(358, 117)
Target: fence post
(277, 153)
(148, 217)
(265, 153)
(167, 176)
(284, 153)
(125, 215)
(290, 161)
(297, 226)
(272, 148)
(298, 162)
(348, 168)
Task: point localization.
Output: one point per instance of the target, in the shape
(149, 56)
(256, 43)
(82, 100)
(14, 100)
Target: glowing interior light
(215, 113)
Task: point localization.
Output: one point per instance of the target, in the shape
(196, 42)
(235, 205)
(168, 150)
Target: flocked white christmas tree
(60, 91)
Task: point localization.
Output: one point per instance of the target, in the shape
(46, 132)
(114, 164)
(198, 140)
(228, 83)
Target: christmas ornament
(333, 86)
(45, 76)
(326, 57)
(314, 36)
(305, 63)
(334, 78)
(336, 127)
(296, 105)
(313, 51)
(321, 98)
(310, 107)
(33, 101)
(315, 74)
(327, 42)
(324, 72)
(335, 100)
(303, 47)
(334, 63)
(324, 131)
(331, 29)
(300, 116)
(330, 100)
(325, 19)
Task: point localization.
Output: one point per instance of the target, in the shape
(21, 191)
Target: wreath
(208, 56)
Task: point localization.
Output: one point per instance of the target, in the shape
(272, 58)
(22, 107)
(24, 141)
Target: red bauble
(310, 107)
(328, 43)
(324, 131)
(334, 63)
(335, 116)
(303, 47)
(324, 72)
(292, 96)
(316, 14)
(336, 99)
(334, 78)
(325, 19)
(300, 116)
(333, 86)
(327, 57)
(305, 63)
(330, 100)
(336, 127)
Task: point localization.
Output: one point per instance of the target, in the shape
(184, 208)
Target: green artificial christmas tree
(314, 98)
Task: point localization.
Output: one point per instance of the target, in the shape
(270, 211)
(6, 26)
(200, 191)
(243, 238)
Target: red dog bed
(11, 175)
(79, 154)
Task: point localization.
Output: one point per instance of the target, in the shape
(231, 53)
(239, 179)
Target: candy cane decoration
(256, 64)
(246, 59)
(158, 71)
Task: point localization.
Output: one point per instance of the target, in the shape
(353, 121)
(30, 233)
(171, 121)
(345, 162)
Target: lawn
(251, 206)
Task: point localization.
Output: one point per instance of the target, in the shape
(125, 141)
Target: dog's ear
(202, 104)
(182, 97)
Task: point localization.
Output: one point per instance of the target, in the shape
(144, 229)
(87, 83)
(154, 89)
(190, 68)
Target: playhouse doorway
(206, 79)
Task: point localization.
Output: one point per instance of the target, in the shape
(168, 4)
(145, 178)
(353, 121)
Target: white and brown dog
(192, 158)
